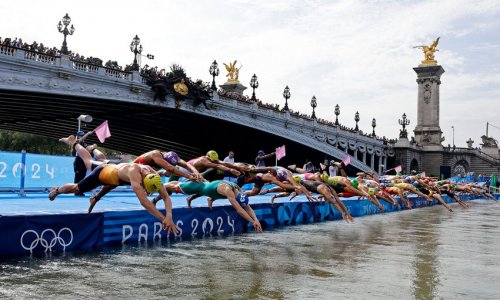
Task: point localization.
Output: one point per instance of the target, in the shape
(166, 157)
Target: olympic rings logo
(47, 239)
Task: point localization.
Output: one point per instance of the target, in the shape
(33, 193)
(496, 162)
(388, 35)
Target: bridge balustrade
(6, 50)
(39, 57)
(85, 67)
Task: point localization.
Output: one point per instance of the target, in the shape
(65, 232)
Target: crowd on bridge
(213, 178)
(34, 46)
(42, 49)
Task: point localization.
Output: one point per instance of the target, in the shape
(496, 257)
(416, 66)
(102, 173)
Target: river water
(425, 253)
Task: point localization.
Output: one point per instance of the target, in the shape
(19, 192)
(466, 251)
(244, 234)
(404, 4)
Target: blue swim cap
(172, 158)
(80, 133)
(242, 199)
(415, 184)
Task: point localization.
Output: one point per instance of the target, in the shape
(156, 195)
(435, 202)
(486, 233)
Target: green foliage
(17, 141)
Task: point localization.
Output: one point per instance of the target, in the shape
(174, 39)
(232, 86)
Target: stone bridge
(43, 94)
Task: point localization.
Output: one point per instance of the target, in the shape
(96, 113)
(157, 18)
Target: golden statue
(181, 88)
(429, 52)
(232, 72)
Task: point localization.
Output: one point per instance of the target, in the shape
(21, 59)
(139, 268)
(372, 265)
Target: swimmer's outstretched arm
(85, 136)
(256, 225)
(167, 221)
(191, 168)
(221, 167)
(228, 192)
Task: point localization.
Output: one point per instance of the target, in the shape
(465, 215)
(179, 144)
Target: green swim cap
(355, 183)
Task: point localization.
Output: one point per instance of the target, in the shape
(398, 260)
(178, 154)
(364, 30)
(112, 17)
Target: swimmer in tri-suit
(210, 164)
(325, 191)
(143, 180)
(218, 189)
(344, 184)
(168, 161)
(280, 177)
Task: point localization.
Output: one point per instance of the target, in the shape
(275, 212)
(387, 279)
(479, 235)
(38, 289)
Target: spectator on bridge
(230, 157)
(261, 155)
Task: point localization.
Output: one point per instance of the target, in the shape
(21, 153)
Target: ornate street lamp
(254, 84)
(214, 71)
(65, 31)
(314, 104)
(286, 95)
(337, 113)
(356, 118)
(374, 124)
(136, 48)
(405, 122)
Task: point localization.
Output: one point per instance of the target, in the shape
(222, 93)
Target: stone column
(427, 131)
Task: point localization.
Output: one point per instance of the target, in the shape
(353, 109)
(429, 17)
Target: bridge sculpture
(33, 72)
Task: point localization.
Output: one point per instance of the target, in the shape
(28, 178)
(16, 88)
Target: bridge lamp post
(136, 48)
(314, 104)
(356, 118)
(214, 71)
(65, 31)
(404, 122)
(254, 84)
(84, 118)
(453, 127)
(337, 113)
(374, 124)
(286, 95)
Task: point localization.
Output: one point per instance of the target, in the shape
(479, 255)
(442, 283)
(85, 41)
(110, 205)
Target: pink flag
(280, 152)
(423, 174)
(398, 169)
(102, 131)
(347, 160)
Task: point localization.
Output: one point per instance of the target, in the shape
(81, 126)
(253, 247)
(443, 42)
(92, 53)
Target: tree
(17, 141)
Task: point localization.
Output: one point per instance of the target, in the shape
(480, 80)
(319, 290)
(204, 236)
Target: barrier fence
(27, 171)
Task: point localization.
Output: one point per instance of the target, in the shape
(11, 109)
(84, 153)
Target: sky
(357, 54)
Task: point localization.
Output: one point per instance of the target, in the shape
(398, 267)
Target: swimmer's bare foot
(155, 200)
(210, 203)
(292, 167)
(350, 218)
(53, 193)
(263, 192)
(93, 202)
(189, 200)
(272, 199)
(70, 140)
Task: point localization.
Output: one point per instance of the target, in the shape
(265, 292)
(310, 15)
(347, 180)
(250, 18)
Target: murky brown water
(424, 254)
